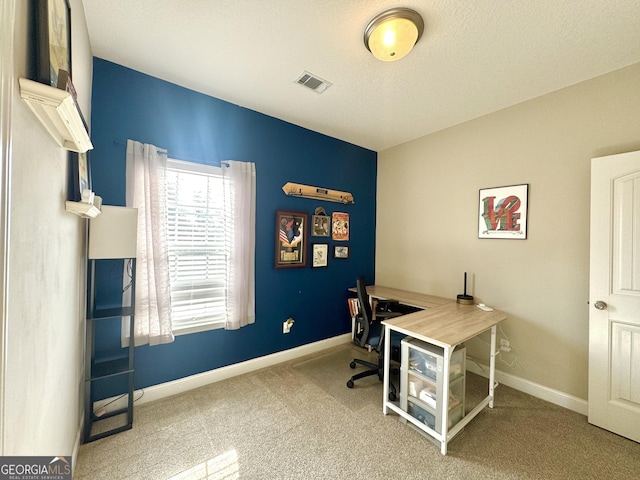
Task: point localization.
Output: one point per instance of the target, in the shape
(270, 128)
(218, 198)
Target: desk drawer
(429, 419)
(425, 364)
(427, 360)
(427, 392)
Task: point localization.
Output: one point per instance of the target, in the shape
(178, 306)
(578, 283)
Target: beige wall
(44, 321)
(428, 206)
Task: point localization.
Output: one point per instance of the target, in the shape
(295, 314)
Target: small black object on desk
(463, 298)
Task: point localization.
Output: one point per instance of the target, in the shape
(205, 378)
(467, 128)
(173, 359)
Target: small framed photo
(53, 40)
(340, 226)
(320, 225)
(80, 177)
(83, 172)
(502, 212)
(340, 251)
(320, 254)
(291, 239)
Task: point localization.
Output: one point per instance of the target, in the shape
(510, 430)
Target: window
(196, 246)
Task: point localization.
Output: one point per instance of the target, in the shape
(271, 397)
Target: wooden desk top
(443, 322)
(446, 325)
(414, 299)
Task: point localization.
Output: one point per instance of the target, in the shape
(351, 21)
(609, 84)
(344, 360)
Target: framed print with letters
(340, 226)
(291, 239)
(320, 254)
(502, 212)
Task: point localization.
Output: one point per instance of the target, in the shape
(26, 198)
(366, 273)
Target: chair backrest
(363, 298)
(368, 331)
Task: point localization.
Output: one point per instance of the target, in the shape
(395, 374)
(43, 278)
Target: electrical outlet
(505, 346)
(287, 324)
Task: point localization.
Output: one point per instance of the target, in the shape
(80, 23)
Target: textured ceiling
(474, 58)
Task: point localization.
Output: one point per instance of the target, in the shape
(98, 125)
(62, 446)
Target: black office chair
(370, 333)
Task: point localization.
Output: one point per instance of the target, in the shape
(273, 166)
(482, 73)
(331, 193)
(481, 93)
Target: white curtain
(240, 230)
(145, 190)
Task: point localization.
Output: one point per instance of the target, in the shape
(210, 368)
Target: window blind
(196, 245)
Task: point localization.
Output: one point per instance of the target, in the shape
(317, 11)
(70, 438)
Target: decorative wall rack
(57, 111)
(317, 193)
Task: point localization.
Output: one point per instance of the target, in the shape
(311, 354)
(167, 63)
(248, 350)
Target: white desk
(444, 323)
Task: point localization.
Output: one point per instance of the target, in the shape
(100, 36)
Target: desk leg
(353, 328)
(387, 356)
(444, 428)
(492, 365)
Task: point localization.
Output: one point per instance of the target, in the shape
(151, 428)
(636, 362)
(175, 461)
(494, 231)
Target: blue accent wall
(130, 105)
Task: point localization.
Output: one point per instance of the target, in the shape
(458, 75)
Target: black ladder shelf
(119, 370)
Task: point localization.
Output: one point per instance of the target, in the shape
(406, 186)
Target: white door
(614, 297)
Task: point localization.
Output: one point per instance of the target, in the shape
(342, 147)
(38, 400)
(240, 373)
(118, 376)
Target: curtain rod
(182, 158)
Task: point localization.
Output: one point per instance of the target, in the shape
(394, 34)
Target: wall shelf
(317, 193)
(84, 210)
(58, 112)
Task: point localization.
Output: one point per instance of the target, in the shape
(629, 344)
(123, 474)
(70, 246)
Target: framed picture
(340, 226)
(320, 254)
(503, 212)
(340, 251)
(84, 180)
(53, 40)
(320, 225)
(291, 239)
(79, 175)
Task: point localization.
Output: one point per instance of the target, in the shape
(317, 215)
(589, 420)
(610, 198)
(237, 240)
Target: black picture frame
(79, 175)
(53, 40)
(340, 251)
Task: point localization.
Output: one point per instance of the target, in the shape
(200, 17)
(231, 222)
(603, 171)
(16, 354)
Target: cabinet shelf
(57, 111)
(111, 368)
(425, 378)
(453, 403)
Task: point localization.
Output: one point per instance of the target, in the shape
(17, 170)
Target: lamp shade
(113, 233)
(392, 34)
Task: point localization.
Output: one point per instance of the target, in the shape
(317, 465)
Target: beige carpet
(298, 420)
(333, 381)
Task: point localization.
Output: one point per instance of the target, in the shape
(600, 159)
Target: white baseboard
(175, 387)
(531, 388)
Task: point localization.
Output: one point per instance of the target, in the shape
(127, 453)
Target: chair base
(373, 369)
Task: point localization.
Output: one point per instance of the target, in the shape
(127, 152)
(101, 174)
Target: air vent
(313, 82)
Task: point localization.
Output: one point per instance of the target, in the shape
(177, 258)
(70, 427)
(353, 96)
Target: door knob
(600, 305)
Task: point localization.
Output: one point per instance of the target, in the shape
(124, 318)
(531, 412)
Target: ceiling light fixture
(392, 34)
